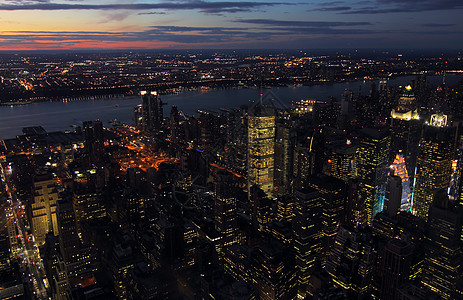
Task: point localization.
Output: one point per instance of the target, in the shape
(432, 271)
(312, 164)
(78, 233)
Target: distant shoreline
(181, 89)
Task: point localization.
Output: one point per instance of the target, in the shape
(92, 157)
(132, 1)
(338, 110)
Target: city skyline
(87, 25)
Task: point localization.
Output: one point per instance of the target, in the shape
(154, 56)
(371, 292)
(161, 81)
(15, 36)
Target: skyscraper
(274, 272)
(333, 192)
(307, 228)
(399, 168)
(43, 208)
(441, 271)
(68, 238)
(342, 162)
(282, 159)
(393, 195)
(261, 147)
(434, 163)
(372, 157)
(351, 262)
(405, 130)
(225, 217)
(395, 267)
(151, 111)
(94, 138)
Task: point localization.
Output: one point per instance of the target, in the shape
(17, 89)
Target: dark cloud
(27, 2)
(330, 3)
(283, 23)
(224, 10)
(434, 25)
(152, 13)
(205, 6)
(335, 8)
(397, 6)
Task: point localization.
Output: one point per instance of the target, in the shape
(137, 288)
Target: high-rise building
(303, 163)
(261, 210)
(355, 211)
(333, 192)
(399, 169)
(283, 159)
(237, 139)
(11, 228)
(151, 111)
(93, 138)
(441, 271)
(225, 215)
(274, 271)
(434, 164)
(351, 262)
(87, 205)
(342, 162)
(393, 195)
(43, 207)
(307, 228)
(68, 239)
(405, 130)
(261, 147)
(395, 267)
(372, 157)
(174, 125)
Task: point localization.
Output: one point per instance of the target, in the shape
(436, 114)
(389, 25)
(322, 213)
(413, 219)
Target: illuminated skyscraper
(87, 205)
(372, 157)
(261, 144)
(274, 271)
(441, 272)
(151, 111)
(405, 130)
(43, 208)
(225, 218)
(342, 162)
(399, 168)
(333, 192)
(302, 165)
(434, 163)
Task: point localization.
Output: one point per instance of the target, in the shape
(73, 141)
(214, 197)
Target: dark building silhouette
(151, 112)
(395, 267)
(308, 234)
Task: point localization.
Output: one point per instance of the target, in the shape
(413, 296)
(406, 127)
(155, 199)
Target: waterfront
(60, 116)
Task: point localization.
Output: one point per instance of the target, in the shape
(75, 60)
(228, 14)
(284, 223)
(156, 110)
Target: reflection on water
(54, 116)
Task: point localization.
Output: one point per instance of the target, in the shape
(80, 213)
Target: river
(60, 116)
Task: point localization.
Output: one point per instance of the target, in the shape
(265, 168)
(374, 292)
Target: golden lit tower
(434, 163)
(261, 144)
(405, 130)
(43, 208)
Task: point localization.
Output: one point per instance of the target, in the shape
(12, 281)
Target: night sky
(196, 24)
